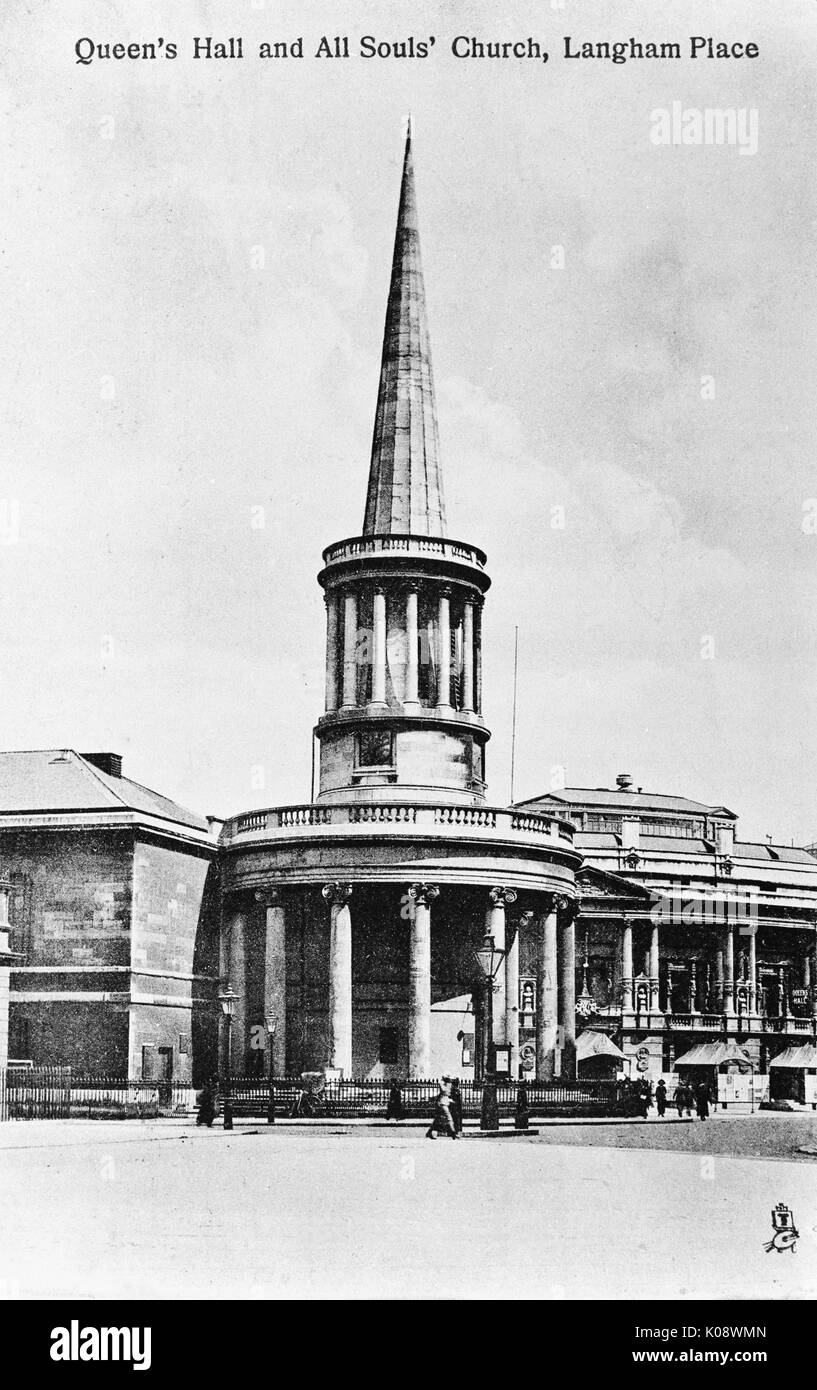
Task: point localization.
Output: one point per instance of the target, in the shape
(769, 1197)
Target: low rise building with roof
(112, 920)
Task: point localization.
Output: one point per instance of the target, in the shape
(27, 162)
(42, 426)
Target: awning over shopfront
(712, 1054)
(593, 1044)
(804, 1056)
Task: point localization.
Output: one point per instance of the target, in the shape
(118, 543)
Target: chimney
(110, 763)
(624, 782)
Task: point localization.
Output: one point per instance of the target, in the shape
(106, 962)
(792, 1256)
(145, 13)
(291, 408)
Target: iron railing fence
(59, 1093)
(350, 1098)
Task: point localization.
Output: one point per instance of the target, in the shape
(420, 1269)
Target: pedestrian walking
(443, 1122)
(661, 1098)
(522, 1115)
(208, 1102)
(395, 1109)
(702, 1100)
(456, 1104)
(689, 1100)
(645, 1097)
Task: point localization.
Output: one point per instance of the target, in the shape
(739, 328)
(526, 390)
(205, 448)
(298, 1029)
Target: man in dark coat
(661, 1098)
(208, 1102)
(702, 1100)
(394, 1109)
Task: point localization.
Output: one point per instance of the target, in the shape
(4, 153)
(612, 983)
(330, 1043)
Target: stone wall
(170, 914)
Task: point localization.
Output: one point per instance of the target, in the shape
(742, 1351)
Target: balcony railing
(357, 547)
(401, 817)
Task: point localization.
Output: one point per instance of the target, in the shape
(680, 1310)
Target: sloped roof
(804, 1056)
(712, 1054)
(593, 1044)
(745, 849)
(592, 797)
(591, 879)
(55, 779)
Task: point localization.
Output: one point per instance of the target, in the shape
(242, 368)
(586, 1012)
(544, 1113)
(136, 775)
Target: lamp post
(227, 999)
(270, 1022)
(488, 959)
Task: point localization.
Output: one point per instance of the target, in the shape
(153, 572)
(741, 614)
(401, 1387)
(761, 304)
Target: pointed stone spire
(405, 493)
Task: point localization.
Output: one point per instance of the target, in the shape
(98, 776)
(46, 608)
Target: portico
(384, 948)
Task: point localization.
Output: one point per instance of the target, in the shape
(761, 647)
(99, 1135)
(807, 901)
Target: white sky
(139, 609)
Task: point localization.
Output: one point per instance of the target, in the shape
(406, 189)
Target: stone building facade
(112, 916)
(687, 934)
(348, 927)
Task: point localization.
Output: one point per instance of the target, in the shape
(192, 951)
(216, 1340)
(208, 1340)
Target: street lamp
(228, 999)
(488, 958)
(270, 1022)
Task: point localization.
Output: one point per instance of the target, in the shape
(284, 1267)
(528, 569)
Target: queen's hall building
(625, 928)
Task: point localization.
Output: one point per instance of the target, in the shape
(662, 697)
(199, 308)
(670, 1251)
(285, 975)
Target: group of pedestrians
(685, 1098)
(447, 1110)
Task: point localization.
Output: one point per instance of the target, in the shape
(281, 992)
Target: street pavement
(163, 1209)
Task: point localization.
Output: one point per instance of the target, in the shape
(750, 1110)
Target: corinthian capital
(502, 897)
(423, 894)
(336, 894)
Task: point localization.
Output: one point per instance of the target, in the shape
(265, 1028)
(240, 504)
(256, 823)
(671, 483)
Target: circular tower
(403, 600)
(351, 922)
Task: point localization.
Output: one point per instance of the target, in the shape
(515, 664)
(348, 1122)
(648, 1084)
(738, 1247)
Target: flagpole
(513, 722)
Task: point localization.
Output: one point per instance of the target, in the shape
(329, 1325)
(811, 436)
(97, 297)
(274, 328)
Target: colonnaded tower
(351, 923)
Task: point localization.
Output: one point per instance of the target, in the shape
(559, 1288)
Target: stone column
(444, 653)
(500, 898)
(729, 972)
(567, 985)
(813, 981)
(546, 995)
(331, 652)
(5, 973)
(512, 990)
(378, 648)
(340, 976)
(753, 970)
(275, 975)
(419, 994)
(654, 969)
(411, 697)
(478, 657)
(468, 656)
(627, 966)
(237, 979)
(349, 650)
(718, 990)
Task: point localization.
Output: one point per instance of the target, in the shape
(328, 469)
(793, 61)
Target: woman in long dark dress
(661, 1098)
(702, 1100)
(456, 1105)
(395, 1109)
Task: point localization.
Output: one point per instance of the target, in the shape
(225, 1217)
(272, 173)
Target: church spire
(405, 493)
